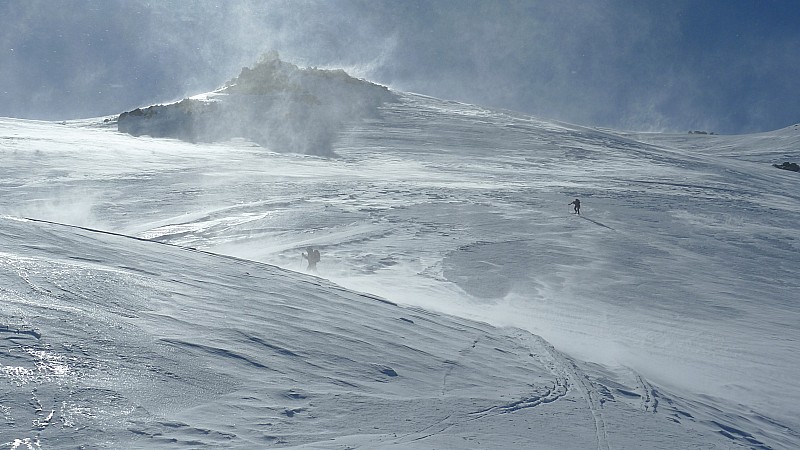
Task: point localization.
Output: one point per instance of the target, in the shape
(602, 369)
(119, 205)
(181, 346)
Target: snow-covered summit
(276, 104)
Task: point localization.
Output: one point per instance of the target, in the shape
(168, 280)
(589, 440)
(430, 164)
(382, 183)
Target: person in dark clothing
(577, 204)
(313, 259)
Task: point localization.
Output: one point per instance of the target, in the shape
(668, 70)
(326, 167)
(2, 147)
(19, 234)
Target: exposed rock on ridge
(274, 104)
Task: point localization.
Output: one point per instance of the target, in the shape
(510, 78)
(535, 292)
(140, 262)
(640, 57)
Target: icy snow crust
(667, 311)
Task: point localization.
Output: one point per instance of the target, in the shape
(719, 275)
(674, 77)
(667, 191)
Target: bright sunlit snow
(458, 302)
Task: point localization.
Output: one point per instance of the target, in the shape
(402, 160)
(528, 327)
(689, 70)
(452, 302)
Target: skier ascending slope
(313, 258)
(577, 204)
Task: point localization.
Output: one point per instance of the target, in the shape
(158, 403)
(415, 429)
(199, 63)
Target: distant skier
(577, 204)
(313, 258)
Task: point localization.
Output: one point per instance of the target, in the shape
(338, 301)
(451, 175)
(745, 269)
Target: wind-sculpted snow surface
(114, 342)
(667, 311)
(275, 104)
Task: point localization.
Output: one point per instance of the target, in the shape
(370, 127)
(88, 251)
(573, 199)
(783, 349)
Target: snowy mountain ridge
(458, 303)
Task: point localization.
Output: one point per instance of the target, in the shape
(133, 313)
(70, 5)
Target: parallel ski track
(565, 369)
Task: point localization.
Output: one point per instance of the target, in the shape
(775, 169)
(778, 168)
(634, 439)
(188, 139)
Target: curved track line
(564, 368)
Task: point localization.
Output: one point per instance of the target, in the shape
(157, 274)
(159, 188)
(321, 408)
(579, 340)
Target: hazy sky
(729, 66)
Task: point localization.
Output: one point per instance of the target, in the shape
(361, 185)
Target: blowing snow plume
(274, 104)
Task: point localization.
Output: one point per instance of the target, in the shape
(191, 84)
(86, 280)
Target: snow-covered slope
(114, 342)
(667, 311)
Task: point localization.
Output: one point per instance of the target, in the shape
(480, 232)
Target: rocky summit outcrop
(794, 167)
(275, 104)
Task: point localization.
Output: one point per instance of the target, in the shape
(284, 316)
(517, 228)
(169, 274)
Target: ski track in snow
(564, 369)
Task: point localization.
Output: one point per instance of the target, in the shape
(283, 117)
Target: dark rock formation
(794, 167)
(274, 104)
